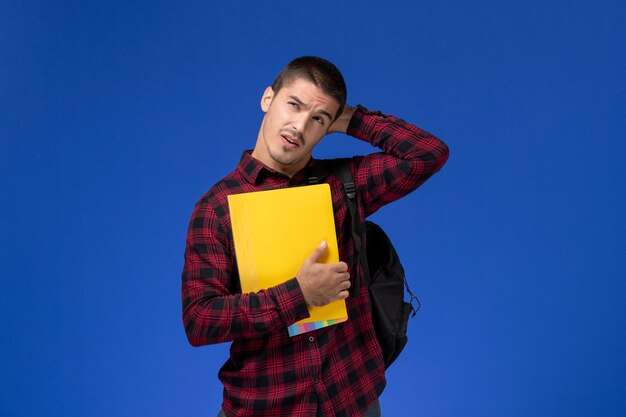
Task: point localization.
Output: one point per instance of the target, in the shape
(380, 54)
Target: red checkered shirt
(337, 368)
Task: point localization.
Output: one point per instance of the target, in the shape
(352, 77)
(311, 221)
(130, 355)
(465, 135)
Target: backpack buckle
(350, 189)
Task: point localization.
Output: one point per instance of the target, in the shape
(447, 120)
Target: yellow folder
(275, 231)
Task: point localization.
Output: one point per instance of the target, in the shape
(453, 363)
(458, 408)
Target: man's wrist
(343, 121)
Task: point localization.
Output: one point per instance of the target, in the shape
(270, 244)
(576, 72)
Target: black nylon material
(390, 313)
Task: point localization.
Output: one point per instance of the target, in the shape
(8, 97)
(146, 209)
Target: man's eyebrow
(300, 102)
(296, 99)
(325, 113)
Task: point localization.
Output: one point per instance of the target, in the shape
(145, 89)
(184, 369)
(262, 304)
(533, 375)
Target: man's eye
(294, 104)
(319, 120)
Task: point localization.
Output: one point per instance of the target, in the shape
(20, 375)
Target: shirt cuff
(290, 300)
(363, 122)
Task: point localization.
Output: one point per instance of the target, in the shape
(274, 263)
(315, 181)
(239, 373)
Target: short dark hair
(320, 72)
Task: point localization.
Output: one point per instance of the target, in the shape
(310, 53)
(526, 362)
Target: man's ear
(266, 100)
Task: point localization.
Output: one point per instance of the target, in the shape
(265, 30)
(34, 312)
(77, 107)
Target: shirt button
(311, 339)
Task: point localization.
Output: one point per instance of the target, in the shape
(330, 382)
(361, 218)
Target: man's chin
(284, 158)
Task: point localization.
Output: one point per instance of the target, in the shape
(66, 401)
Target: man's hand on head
(341, 124)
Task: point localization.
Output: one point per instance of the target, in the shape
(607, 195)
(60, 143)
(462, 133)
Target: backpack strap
(341, 168)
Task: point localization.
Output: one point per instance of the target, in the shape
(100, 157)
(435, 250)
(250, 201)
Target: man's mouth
(291, 140)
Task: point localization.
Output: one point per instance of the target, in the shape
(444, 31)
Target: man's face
(296, 119)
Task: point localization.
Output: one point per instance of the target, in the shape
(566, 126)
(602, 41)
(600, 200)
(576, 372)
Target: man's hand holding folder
(323, 283)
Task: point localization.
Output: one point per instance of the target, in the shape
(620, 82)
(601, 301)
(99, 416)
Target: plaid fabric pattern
(338, 368)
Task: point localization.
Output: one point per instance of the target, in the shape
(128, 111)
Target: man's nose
(299, 122)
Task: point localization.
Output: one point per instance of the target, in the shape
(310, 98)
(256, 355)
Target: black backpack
(382, 270)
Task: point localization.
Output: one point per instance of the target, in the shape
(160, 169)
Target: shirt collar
(253, 170)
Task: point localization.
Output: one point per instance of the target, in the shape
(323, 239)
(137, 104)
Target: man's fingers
(318, 252)
(343, 295)
(342, 267)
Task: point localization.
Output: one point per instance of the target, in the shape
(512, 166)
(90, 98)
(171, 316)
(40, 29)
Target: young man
(337, 370)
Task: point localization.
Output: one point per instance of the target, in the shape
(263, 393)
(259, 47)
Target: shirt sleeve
(410, 156)
(212, 311)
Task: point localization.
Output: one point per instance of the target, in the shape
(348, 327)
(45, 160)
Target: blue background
(115, 117)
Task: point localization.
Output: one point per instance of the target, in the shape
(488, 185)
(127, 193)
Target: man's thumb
(318, 252)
